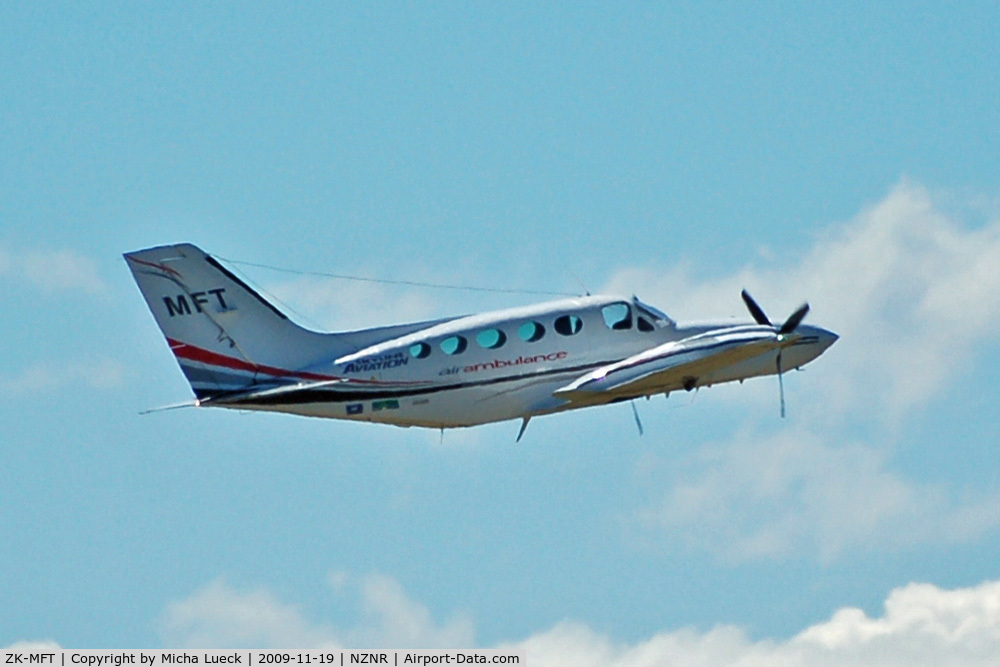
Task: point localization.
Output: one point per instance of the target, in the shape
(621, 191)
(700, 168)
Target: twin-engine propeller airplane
(238, 351)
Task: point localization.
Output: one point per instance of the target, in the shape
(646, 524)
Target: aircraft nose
(826, 338)
(819, 339)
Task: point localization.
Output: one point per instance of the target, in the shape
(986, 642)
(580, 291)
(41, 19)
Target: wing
(673, 365)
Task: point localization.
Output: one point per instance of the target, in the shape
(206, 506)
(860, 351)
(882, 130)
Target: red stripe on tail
(193, 353)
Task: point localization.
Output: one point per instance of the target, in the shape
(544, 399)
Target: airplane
(237, 350)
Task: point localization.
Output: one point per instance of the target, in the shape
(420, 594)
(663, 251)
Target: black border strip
(334, 395)
(229, 274)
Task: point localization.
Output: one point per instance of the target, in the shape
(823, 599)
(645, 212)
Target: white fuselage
(509, 364)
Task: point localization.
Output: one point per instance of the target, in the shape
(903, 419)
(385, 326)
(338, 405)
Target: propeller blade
(755, 310)
(793, 322)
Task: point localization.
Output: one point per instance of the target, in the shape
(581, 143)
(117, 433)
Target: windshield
(652, 313)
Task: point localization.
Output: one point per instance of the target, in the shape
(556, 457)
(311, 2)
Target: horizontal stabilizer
(258, 394)
(176, 406)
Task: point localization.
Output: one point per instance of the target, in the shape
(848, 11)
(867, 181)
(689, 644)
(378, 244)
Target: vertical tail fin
(225, 336)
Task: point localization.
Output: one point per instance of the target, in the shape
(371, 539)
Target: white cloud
(390, 618)
(218, 616)
(922, 625)
(794, 491)
(31, 646)
(53, 270)
(912, 291)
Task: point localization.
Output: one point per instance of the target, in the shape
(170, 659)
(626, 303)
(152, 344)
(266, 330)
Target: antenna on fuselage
(581, 284)
(408, 283)
(635, 413)
(524, 425)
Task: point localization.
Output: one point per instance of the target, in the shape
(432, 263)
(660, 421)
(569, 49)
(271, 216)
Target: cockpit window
(530, 332)
(454, 345)
(491, 339)
(644, 325)
(617, 316)
(567, 325)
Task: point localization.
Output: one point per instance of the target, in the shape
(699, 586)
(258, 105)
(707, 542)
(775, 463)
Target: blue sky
(841, 154)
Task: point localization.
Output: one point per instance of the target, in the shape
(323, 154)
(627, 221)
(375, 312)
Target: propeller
(794, 320)
(789, 326)
(755, 310)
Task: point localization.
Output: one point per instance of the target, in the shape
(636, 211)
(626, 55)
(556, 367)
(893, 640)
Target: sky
(844, 154)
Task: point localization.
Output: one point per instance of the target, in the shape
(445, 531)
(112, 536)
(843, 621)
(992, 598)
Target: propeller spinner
(789, 326)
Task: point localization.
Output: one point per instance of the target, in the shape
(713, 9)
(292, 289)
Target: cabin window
(420, 350)
(567, 325)
(644, 325)
(491, 339)
(530, 332)
(454, 345)
(617, 316)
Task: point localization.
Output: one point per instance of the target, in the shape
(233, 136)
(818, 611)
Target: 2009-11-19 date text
(271, 658)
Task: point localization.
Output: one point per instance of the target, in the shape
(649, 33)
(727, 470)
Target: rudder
(225, 336)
